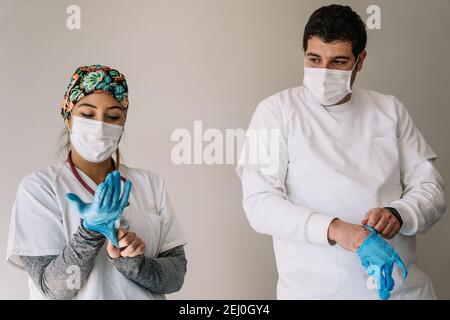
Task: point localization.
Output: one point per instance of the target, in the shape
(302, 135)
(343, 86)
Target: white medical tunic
(43, 222)
(333, 164)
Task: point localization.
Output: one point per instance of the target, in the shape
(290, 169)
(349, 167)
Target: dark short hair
(336, 23)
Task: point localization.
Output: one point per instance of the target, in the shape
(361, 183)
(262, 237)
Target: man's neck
(345, 100)
(96, 171)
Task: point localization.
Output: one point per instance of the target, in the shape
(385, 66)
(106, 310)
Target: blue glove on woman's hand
(378, 258)
(106, 207)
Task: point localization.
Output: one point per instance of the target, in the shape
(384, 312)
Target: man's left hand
(383, 221)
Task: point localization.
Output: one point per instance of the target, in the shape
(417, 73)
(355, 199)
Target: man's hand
(348, 236)
(383, 221)
(129, 243)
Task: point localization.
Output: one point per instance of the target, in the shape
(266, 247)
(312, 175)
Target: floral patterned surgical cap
(95, 78)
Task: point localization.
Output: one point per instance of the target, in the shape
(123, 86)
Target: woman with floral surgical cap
(91, 227)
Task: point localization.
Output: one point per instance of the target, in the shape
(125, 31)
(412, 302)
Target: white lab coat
(43, 222)
(342, 166)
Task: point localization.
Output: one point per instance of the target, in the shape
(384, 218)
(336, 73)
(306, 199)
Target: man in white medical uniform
(345, 158)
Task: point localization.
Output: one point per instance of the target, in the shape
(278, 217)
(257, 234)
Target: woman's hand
(129, 243)
(106, 208)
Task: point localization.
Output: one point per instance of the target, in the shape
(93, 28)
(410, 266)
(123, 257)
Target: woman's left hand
(129, 243)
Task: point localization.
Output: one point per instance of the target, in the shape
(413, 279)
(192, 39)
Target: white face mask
(328, 86)
(94, 140)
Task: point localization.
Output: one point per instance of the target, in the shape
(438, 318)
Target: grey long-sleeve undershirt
(164, 274)
(50, 273)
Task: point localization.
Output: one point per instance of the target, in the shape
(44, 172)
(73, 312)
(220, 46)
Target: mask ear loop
(68, 127)
(349, 85)
(67, 122)
(356, 63)
(117, 151)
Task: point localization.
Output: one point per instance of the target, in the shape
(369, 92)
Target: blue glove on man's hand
(106, 207)
(378, 258)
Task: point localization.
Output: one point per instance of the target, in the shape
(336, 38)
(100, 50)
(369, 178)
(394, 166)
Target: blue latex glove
(106, 207)
(378, 258)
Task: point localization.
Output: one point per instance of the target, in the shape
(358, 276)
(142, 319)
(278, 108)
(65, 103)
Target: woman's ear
(68, 125)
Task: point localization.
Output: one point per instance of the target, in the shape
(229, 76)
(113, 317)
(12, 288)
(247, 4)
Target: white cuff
(316, 229)
(410, 224)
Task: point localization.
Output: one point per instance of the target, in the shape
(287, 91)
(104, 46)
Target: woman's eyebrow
(92, 106)
(116, 107)
(87, 105)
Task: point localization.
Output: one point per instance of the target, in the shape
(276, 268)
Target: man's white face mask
(95, 141)
(328, 86)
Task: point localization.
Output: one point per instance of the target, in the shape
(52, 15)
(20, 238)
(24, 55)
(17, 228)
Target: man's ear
(362, 59)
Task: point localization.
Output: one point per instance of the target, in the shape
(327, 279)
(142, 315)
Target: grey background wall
(209, 60)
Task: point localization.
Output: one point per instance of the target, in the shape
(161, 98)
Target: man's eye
(340, 62)
(314, 60)
(113, 117)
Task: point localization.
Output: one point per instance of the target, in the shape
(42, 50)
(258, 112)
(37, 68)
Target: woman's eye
(113, 117)
(87, 115)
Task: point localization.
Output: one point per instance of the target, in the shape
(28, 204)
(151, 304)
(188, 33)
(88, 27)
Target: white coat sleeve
(172, 235)
(423, 201)
(262, 167)
(36, 227)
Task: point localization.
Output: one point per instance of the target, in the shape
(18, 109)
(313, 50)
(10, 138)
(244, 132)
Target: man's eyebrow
(312, 54)
(342, 58)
